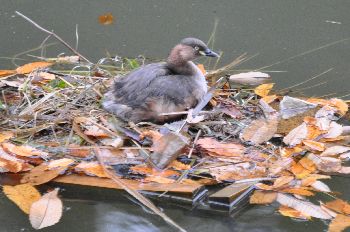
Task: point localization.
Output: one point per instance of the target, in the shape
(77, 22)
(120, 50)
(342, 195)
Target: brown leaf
(314, 145)
(106, 19)
(40, 174)
(95, 131)
(298, 191)
(339, 206)
(22, 195)
(60, 163)
(47, 211)
(9, 163)
(28, 68)
(306, 208)
(146, 170)
(260, 130)
(281, 181)
(262, 197)
(25, 151)
(159, 179)
(339, 223)
(290, 212)
(215, 148)
(91, 169)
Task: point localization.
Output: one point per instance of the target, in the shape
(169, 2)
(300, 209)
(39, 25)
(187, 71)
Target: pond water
(296, 39)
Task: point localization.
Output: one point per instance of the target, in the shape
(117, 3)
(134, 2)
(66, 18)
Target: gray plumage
(175, 85)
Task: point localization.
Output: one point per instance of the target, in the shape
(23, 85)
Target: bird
(149, 91)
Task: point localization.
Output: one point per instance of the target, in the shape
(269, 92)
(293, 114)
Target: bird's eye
(196, 48)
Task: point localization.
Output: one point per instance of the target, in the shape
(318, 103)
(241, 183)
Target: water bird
(154, 89)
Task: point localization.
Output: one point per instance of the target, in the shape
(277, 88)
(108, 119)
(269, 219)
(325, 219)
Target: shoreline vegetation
(245, 142)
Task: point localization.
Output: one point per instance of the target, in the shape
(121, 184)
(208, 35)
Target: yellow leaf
(106, 19)
(314, 145)
(264, 89)
(270, 98)
(28, 68)
(22, 195)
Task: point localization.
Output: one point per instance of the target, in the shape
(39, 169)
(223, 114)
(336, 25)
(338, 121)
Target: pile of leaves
(52, 125)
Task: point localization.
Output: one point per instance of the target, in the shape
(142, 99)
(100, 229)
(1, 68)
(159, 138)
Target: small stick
(194, 144)
(54, 35)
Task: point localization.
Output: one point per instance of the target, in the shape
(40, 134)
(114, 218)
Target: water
(275, 30)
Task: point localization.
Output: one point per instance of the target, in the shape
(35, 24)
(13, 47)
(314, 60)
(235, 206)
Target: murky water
(290, 34)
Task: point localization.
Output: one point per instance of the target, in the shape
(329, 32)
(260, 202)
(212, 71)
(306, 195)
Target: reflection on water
(275, 30)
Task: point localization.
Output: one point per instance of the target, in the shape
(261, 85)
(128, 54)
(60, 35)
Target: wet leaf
(47, 211)
(106, 19)
(40, 174)
(91, 169)
(215, 148)
(262, 197)
(339, 223)
(28, 68)
(290, 212)
(22, 195)
(264, 89)
(306, 208)
(339, 206)
(290, 107)
(296, 135)
(25, 151)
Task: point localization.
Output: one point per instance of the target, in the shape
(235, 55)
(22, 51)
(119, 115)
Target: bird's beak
(209, 53)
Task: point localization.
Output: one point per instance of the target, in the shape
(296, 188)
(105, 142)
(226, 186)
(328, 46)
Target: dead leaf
(270, 98)
(329, 164)
(60, 163)
(320, 186)
(339, 223)
(339, 206)
(290, 212)
(260, 130)
(95, 131)
(91, 169)
(314, 145)
(299, 171)
(4, 73)
(6, 135)
(106, 19)
(159, 179)
(25, 151)
(215, 148)
(306, 208)
(335, 150)
(179, 166)
(47, 211)
(40, 174)
(290, 107)
(146, 170)
(262, 197)
(22, 195)
(281, 181)
(296, 135)
(334, 130)
(302, 191)
(340, 104)
(28, 68)
(9, 163)
(264, 89)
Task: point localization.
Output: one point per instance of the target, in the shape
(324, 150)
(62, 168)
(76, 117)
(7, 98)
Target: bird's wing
(129, 87)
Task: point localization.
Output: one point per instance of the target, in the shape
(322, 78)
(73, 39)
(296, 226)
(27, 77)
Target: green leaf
(58, 84)
(133, 63)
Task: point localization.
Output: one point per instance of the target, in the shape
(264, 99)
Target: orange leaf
(340, 105)
(288, 152)
(28, 68)
(25, 151)
(283, 180)
(262, 197)
(308, 164)
(4, 73)
(91, 169)
(144, 169)
(179, 166)
(339, 205)
(270, 98)
(313, 132)
(339, 223)
(106, 19)
(299, 191)
(299, 171)
(159, 179)
(264, 89)
(293, 213)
